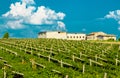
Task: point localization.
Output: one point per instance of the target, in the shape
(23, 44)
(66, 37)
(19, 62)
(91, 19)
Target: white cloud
(111, 15)
(30, 14)
(19, 10)
(28, 1)
(17, 24)
(119, 28)
(61, 15)
(45, 16)
(114, 15)
(118, 22)
(61, 24)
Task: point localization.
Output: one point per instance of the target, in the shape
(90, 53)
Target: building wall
(106, 38)
(42, 35)
(91, 37)
(57, 35)
(62, 35)
(76, 36)
(100, 37)
(94, 36)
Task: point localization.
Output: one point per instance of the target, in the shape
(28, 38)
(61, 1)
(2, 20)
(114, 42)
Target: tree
(6, 35)
(118, 39)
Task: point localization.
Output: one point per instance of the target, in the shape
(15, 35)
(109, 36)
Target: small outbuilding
(100, 36)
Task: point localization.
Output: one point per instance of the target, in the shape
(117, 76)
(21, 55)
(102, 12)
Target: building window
(73, 36)
(67, 36)
(77, 37)
(80, 36)
(83, 37)
(70, 36)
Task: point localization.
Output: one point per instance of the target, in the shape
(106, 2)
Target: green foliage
(118, 39)
(111, 39)
(6, 35)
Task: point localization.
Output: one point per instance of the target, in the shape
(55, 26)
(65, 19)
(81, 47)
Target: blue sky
(25, 18)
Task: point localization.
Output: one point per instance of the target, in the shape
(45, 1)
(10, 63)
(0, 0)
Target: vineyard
(51, 58)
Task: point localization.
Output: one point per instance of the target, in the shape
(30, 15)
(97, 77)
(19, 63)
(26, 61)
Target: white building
(76, 36)
(62, 35)
(100, 36)
(52, 34)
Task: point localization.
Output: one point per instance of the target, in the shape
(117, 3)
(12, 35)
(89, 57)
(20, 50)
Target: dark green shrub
(111, 39)
(6, 35)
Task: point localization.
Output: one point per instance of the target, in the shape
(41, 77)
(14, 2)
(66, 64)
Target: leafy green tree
(118, 39)
(6, 35)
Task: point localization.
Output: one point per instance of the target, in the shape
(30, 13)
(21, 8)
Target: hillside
(51, 58)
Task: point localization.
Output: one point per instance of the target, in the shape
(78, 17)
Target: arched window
(67, 36)
(77, 37)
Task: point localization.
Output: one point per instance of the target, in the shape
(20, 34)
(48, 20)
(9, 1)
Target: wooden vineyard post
(6, 49)
(103, 53)
(119, 47)
(61, 63)
(33, 64)
(50, 53)
(20, 49)
(4, 72)
(66, 76)
(10, 46)
(73, 57)
(83, 68)
(116, 62)
(31, 52)
(96, 57)
(31, 48)
(80, 54)
(90, 62)
(90, 50)
(49, 58)
(117, 55)
(25, 50)
(59, 50)
(105, 75)
(23, 61)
